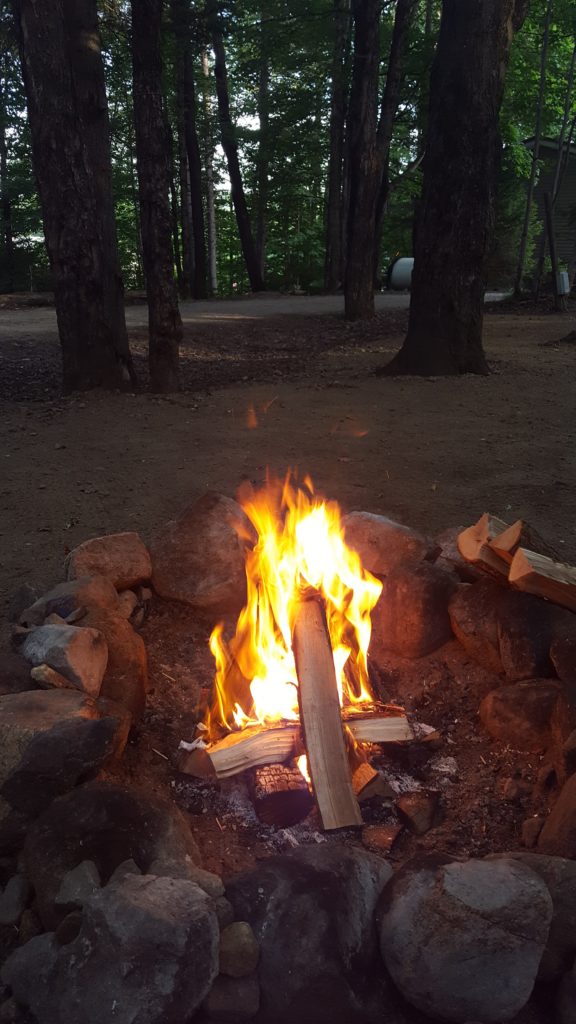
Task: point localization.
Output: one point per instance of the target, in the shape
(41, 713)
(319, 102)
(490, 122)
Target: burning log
(280, 795)
(320, 716)
(539, 575)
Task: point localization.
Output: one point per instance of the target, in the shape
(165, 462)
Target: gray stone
(78, 653)
(68, 599)
(473, 614)
(233, 1000)
(14, 899)
(47, 679)
(147, 953)
(29, 926)
(49, 739)
(411, 617)
(239, 950)
(559, 875)
(10, 1012)
(224, 911)
(122, 558)
(463, 941)
(566, 999)
(107, 823)
(77, 886)
(127, 867)
(199, 558)
(384, 544)
(69, 928)
(313, 916)
(531, 715)
(450, 557)
(526, 627)
(186, 868)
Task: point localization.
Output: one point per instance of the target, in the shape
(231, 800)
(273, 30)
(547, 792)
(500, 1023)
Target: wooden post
(320, 718)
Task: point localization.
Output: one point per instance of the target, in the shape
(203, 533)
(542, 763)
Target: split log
(520, 535)
(540, 575)
(474, 545)
(320, 716)
(255, 745)
(280, 795)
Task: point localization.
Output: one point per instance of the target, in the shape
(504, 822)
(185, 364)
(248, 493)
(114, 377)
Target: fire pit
(213, 754)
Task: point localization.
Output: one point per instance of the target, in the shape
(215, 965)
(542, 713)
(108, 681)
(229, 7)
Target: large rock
(313, 916)
(72, 599)
(474, 620)
(463, 941)
(384, 544)
(411, 617)
(122, 558)
(450, 557)
(126, 676)
(199, 558)
(147, 953)
(233, 1000)
(77, 653)
(559, 875)
(563, 657)
(239, 950)
(108, 824)
(558, 835)
(49, 740)
(530, 716)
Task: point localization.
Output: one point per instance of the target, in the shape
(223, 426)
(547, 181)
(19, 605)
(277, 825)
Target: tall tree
(460, 169)
(165, 325)
(230, 147)
(262, 156)
(7, 277)
(335, 199)
(208, 147)
(64, 78)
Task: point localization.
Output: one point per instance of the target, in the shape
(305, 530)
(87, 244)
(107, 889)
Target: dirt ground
(269, 390)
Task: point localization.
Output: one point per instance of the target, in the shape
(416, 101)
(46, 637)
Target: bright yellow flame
(300, 546)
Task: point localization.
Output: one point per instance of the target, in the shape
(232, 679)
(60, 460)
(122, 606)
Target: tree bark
(230, 147)
(262, 157)
(535, 151)
(68, 115)
(165, 326)
(7, 270)
(403, 21)
(195, 172)
(460, 171)
(364, 162)
(335, 206)
(208, 140)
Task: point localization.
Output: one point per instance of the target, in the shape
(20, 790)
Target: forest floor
(280, 391)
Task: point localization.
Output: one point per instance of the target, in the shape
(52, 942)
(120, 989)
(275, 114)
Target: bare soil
(298, 390)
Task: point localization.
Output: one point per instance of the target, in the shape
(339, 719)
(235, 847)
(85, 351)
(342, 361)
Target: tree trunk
(460, 171)
(195, 172)
(209, 166)
(262, 157)
(165, 326)
(230, 147)
(535, 152)
(335, 207)
(187, 281)
(68, 115)
(7, 270)
(364, 160)
(403, 21)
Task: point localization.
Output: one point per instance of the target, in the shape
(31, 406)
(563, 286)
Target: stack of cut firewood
(518, 554)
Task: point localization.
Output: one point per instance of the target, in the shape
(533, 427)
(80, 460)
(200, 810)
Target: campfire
(292, 687)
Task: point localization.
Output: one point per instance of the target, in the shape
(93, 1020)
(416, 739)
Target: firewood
(539, 575)
(520, 535)
(253, 746)
(281, 795)
(320, 717)
(474, 545)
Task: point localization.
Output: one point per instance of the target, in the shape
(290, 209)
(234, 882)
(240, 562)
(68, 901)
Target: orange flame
(300, 545)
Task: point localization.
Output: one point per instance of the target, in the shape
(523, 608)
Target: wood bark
(230, 147)
(165, 326)
(460, 170)
(535, 151)
(262, 156)
(363, 160)
(68, 116)
(335, 204)
(208, 140)
(537, 574)
(280, 795)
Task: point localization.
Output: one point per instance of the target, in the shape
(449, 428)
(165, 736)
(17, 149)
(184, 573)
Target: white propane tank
(400, 273)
